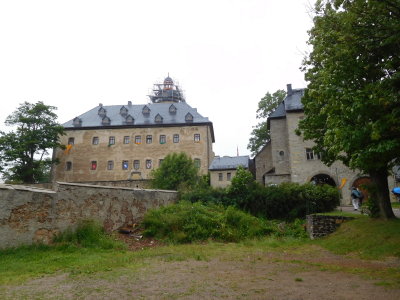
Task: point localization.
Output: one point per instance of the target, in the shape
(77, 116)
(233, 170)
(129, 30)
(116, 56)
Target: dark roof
(292, 102)
(229, 162)
(92, 118)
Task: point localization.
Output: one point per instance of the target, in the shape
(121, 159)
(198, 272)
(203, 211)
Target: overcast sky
(226, 54)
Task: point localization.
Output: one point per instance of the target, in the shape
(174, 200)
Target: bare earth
(312, 274)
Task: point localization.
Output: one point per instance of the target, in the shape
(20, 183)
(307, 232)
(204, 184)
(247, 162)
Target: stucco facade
(223, 169)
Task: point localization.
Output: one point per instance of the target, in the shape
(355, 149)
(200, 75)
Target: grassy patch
(367, 238)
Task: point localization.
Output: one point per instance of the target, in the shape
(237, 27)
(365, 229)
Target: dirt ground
(312, 274)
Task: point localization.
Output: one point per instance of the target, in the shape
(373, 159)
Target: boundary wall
(30, 215)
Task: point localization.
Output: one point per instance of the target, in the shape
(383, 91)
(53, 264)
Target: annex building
(287, 157)
(122, 144)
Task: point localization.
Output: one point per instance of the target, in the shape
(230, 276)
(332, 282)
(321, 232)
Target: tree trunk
(379, 178)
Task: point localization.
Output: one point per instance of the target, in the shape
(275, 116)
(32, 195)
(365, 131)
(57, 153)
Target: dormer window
(106, 121)
(172, 109)
(189, 117)
(146, 110)
(123, 111)
(158, 118)
(129, 120)
(77, 122)
(102, 112)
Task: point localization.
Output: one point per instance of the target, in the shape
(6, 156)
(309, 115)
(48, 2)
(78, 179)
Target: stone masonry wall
(320, 225)
(29, 215)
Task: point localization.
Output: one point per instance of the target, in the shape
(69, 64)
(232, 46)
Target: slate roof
(229, 162)
(292, 102)
(92, 118)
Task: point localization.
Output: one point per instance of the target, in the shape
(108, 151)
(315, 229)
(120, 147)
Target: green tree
(176, 171)
(261, 134)
(23, 152)
(352, 103)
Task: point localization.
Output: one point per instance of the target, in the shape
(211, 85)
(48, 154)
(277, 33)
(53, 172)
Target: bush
(187, 222)
(88, 234)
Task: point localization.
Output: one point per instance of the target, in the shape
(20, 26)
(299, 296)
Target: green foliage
(23, 151)
(261, 134)
(365, 237)
(187, 222)
(352, 103)
(88, 234)
(177, 171)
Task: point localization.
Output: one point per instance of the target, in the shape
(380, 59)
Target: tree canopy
(23, 152)
(261, 134)
(352, 103)
(177, 170)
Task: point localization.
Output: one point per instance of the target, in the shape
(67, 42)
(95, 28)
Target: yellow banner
(66, 151)
(344, 180)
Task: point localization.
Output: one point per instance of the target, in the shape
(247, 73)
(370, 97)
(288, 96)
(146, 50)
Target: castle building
(287, 157)
(124, 143)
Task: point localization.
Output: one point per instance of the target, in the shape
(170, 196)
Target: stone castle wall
(29, 215)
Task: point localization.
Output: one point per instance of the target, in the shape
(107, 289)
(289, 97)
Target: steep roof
(229, 162)
(292, 102)
(142, 116)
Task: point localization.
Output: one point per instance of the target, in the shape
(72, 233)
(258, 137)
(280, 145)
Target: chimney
(130, 103)
(289, 89)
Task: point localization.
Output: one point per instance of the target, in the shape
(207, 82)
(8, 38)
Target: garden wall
(29, 215)
(321, 225)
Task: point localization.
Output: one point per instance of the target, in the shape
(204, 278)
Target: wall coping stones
(111, 187)
(25, 188)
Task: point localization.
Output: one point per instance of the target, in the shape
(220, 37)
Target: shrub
(188, 222)
(88, 234)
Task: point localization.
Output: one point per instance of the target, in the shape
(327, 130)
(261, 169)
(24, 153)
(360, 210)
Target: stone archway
(323, 179)
(360, 183)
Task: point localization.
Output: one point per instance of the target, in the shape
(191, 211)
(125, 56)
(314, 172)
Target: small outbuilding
(223, 169)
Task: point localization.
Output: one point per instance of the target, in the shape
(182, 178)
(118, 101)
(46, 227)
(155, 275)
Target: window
(77, 122)
(163, 139)
(102, 112)
(95, 140)
(93, 165)
(310, 154)
(146, 110)
(228, 176)
(123, 111)
(106, 121)
(149, 139)
(126, 139)
(158, 118)
(160, 162)
(197, 137)
(220, 176)
(138, 139)
(189, 117)
(172, 109)
(129, 120)
(68, 166)
(110, 165)
(136, 164)
(148, 164)
(111, 140)
(176, 138)
(125, 165)
(197, 163)
(71, 141)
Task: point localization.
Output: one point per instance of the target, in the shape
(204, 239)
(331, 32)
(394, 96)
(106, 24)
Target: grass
(365, 237)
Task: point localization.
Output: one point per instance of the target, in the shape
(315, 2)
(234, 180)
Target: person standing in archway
(355, 198)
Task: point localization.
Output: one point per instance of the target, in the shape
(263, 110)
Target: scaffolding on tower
(167, 91)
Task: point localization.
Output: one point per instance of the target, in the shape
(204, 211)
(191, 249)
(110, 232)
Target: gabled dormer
(189, 117)
(101, 112)
(123, 111)
(158, 119)
(77, 122)
(105, 121)
(129, 120)
(146, 111)
(172, 109)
